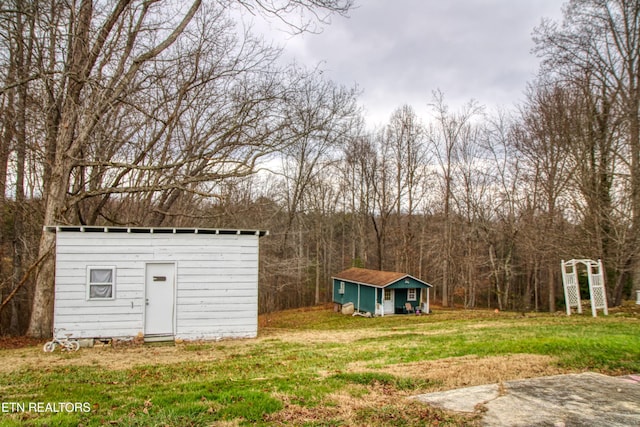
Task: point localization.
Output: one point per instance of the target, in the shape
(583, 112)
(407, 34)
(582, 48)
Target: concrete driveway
(587, 399)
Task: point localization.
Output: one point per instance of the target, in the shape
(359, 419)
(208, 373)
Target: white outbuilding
(160, 283)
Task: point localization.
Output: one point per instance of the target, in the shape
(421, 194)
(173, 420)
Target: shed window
(100, 282)
(341, 289)
(411, 294)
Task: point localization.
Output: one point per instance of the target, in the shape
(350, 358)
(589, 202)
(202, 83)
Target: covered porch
(399, 300)
(381, 292)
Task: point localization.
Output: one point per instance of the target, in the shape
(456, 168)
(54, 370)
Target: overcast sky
(399, 51)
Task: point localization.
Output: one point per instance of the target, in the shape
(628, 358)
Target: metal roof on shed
(151, 230)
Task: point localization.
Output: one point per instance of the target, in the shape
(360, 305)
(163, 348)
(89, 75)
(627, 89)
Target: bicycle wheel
(74, 345)
(49, 347)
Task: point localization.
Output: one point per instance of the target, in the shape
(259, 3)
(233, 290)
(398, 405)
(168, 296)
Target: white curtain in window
(101, 276)
(100, 291)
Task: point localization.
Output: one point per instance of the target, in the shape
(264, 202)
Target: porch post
(428, 309)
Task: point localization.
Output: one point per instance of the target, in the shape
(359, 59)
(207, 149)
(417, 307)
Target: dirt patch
(106, 357)
(627, 308)
(312, 336)
(344, 336)
(471, 370)
(379, 406)
(19, 342)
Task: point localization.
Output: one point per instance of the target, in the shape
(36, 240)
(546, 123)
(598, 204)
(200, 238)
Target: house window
(100, 282)
(411, 294)
(341, 290)
(387, 295)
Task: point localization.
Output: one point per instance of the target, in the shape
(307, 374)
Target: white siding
(216, 286)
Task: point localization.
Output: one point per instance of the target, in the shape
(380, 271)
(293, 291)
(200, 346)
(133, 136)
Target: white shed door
(159, 298)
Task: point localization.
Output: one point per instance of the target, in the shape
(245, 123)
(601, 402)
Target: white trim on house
(357, 282)
(94, 281)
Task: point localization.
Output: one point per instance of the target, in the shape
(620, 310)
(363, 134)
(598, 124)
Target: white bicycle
(66, 344)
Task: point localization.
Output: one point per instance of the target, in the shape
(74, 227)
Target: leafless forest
(167, 113)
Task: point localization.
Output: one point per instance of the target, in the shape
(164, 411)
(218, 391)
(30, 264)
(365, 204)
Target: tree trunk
(634, 136)
(317, 278)
(552, 289)
(41, 322)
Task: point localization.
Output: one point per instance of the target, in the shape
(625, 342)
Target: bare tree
(317, 124)
(545, 141)
(500, 218)
(19, 28)
(317, 120)
(449, 131)
(470, 196)
(406, 138)
(598, 153)
(357, 189)
(321, 200)
(95, 63)
(381, 178)
(599, 39)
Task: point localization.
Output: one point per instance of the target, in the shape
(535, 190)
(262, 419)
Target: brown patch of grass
(379, 405)
(291, 318)
(19, 342)
(468, 371)
(320, 336)
(117, 358)
(296, 414)
(628, 307)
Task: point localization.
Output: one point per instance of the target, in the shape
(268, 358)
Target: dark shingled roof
(370, 277)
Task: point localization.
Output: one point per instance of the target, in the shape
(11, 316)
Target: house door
(159, 299)
(387, 301)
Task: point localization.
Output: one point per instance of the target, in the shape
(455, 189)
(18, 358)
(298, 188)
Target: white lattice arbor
(597, 292)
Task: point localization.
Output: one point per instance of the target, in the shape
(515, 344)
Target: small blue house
(380, 292)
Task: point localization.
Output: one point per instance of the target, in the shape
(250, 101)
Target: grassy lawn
(312, 367)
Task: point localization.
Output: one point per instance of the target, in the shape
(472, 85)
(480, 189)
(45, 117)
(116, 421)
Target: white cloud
(399, 51)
